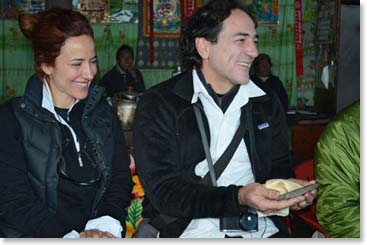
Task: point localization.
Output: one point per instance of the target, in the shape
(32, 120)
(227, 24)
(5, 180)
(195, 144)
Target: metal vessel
(125, 104)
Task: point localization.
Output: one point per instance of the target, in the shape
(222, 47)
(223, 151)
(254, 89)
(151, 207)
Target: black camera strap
(215, 170)
(204, 140)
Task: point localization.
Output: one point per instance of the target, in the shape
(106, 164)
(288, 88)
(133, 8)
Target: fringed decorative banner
(151, 30)
(298, 38)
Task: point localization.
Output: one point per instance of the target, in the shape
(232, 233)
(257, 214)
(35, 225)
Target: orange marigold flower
(137, 188)
(129, 229)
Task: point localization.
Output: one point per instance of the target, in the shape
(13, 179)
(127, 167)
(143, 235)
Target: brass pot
(125, 104)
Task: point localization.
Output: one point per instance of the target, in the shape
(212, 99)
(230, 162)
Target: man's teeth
(243, 63)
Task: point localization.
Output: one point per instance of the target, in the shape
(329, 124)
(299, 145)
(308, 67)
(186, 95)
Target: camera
(246, 221)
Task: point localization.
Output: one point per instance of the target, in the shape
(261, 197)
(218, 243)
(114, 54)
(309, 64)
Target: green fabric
(338, 172)
(278, 42)
(108, 38)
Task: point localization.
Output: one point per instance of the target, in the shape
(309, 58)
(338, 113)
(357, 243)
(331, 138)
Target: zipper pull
(80, 160)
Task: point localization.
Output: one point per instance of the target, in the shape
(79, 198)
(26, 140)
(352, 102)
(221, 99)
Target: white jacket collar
(48, 104)
(246, 91)
(47, 101)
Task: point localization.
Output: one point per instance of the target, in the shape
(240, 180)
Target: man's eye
(76, 64)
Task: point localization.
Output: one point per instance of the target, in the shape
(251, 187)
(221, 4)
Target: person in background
(337, 169)
(63, 160)
(124, 75)
(218, 46)
(264, 78)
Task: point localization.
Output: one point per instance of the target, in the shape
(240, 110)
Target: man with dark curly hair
(218, 46)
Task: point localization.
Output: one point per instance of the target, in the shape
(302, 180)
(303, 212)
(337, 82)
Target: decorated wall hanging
(160, 25)
(123, 11)
(10, 9)
(95, 10)
(298, 39)
(266, 12)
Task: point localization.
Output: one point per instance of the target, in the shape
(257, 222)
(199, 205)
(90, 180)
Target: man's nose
(251, 48)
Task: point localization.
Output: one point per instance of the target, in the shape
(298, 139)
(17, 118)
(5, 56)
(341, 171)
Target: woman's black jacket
(30, 152)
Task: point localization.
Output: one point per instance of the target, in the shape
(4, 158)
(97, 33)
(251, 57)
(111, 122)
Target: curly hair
(206, 22)
(48, 32)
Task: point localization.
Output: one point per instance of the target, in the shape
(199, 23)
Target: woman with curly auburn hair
(63, 158)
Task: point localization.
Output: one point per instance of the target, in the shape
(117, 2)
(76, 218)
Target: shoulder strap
(204, 139)
(215, 170)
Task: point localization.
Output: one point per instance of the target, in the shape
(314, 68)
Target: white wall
(348, 76)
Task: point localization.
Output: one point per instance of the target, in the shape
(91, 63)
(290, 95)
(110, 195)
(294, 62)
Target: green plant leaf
(134, 212)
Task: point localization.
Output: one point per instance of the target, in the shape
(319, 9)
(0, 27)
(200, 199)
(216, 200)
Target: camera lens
(248, 221)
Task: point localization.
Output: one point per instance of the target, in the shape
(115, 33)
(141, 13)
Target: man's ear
(46, 69)
(203, 47)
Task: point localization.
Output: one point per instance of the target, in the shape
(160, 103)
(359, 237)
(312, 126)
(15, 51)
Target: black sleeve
(282, 166)
(140, 87)
(282, 93)
(106, 82)
(118, 194)
(19, 206)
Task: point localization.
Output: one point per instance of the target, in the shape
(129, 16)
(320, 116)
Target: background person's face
(263, 68)
(125, 60)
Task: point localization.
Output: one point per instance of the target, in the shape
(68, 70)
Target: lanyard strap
(215, 170)
(204, 139)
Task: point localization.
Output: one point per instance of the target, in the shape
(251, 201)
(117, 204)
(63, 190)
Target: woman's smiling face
(74, 69)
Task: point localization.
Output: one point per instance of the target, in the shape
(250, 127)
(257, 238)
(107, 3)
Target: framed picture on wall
(166, 18)
(95, 10)
(123, 11)
(266, 12)
(10, 9)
